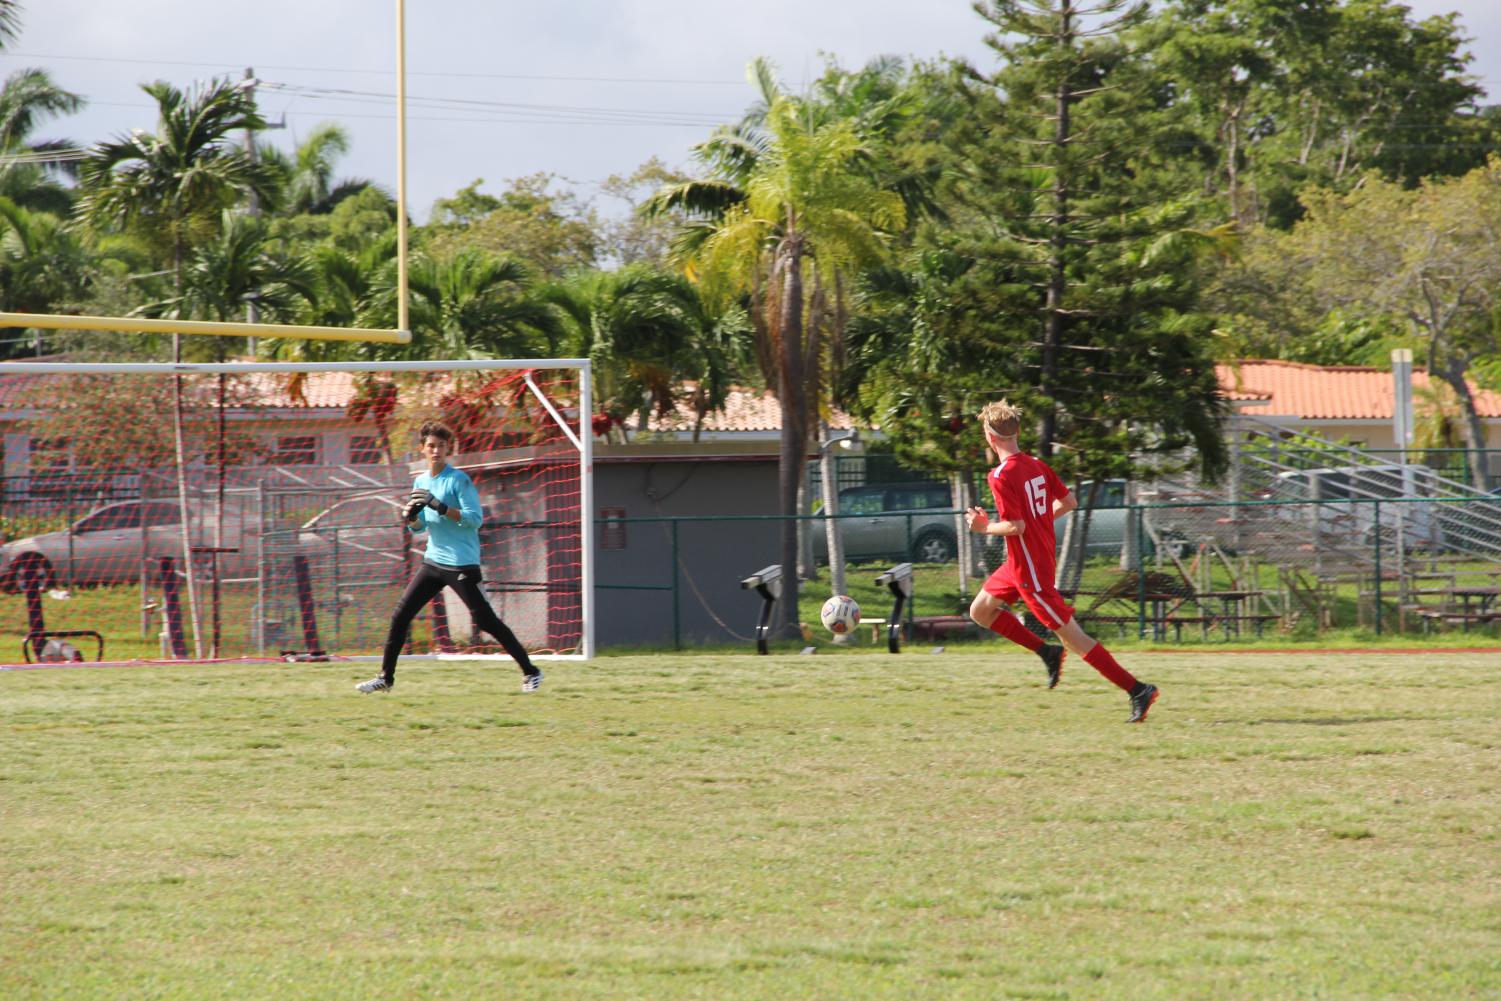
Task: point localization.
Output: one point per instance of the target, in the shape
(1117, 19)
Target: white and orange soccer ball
(840, 614)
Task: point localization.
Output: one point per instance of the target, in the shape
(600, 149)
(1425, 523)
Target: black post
(307, 607)
(768, 584)
(898, 581)
(172, 610)
(36, 623)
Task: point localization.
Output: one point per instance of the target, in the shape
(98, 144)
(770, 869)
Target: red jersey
(1024, 489)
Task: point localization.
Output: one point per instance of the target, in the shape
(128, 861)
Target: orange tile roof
(1325, 392)
(744, 410)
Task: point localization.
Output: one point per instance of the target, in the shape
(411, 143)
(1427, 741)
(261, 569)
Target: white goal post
(254, 507)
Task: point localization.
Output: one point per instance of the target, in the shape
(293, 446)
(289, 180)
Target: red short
(1047, 604)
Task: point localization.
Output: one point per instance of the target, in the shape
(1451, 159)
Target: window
(918, 498)
(159, 513)
(50, 456)
(364, 449)
(611, 529)
(862, 501)
(1112, 494)
(113, 517)
(295, 450)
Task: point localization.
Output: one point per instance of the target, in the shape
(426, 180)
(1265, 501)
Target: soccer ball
(840, 614)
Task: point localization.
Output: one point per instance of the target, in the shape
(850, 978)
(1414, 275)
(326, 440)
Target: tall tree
(547, 229)
(1069, 278)
(10, 22)
(793, 192)
(1282, 95)
(27, 165)
(32, 170)
(238, 266)
(172, 185)
(44, 268)
(474, 305)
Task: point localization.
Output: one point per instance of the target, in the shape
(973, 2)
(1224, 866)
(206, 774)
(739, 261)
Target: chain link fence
(1170, 569)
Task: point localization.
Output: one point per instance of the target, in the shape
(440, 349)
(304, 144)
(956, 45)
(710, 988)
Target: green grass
(851, 825)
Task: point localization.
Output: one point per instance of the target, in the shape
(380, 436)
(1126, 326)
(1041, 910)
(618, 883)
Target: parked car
(1107, 522)
(110, 545)
(360, 535)
(893, 521)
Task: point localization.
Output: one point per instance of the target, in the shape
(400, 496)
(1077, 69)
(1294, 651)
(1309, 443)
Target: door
(104, 547)
(866, 533)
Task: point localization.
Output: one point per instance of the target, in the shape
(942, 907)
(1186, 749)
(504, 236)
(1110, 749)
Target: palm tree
(172, 185)
(797, 190)
(236, 267)
(475, 305)
(306, 176)
(28, 167)
(43, 265)
(649, 334)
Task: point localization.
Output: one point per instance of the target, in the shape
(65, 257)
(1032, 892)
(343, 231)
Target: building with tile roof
(1351, 403)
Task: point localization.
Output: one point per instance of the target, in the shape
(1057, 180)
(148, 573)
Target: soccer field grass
(729, 826)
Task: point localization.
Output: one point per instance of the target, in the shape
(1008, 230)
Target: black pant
(424, 587)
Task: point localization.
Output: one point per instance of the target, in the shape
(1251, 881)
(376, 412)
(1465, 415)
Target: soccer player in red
(1029, 496)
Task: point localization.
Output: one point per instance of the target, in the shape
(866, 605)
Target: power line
(517, 112)
(387, 72)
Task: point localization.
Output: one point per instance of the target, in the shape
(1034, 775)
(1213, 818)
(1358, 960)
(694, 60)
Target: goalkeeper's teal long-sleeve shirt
(450, 543)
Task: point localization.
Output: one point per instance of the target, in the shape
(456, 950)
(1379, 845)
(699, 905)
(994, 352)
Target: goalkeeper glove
(410, 511)
(425, 498)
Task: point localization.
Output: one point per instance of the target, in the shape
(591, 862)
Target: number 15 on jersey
(1037, 494)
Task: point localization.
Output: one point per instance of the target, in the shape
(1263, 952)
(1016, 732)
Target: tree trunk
(813, 379)
(1454, 374)
(1052, 335)
(792, 395)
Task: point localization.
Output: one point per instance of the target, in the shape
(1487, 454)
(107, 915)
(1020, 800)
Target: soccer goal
(253, 510)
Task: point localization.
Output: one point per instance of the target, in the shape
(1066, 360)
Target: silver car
(357, 536)
(893, 521)
(115, 543)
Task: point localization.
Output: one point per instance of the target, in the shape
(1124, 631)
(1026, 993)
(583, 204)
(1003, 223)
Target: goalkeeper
(445, 504)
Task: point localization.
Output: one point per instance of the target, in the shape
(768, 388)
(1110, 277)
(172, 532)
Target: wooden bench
(1121, 622)
(940, 627)
(1446, 615)
(1208, 622)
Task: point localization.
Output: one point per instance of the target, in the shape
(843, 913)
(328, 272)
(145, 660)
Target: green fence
(1202, 571)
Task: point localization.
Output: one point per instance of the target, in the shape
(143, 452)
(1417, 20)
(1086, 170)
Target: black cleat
(1142, 697)
(1052, 656)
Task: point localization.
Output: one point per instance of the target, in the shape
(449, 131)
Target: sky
(499, 89)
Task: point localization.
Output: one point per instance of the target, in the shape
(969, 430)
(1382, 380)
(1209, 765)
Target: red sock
(1011, 628)
(1099, 658)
